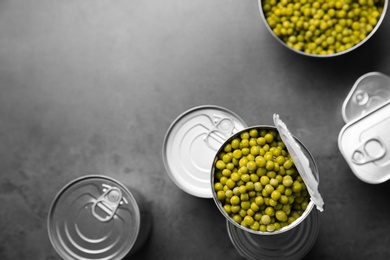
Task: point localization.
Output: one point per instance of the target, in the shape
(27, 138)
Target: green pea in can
(97, 217)
(296, 239)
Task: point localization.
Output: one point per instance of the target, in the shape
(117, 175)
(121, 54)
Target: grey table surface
(91, 87)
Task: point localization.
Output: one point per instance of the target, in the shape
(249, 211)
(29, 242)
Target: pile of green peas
(257, 182)
(322, 27)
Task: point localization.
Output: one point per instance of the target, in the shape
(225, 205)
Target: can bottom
(290, 245)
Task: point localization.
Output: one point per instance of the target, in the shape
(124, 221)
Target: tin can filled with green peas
(265, 183)
(322, 28)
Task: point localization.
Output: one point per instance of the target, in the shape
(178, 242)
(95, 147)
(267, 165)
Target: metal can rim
(309, 208)
(376, 27)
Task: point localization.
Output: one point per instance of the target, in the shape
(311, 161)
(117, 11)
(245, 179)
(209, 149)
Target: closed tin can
(370, 91)
(191, 143)
(365, 145)
(97, 217)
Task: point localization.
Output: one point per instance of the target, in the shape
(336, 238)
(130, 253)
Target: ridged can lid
(370, 91)
(191, 144)
(94, 217)
(365, 145)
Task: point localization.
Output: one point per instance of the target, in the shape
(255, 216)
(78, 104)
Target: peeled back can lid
(93, 217)
(365, 145)
(370, 91)
(191, 143)
(301, 162)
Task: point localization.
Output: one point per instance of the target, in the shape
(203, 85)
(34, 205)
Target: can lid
(301, 162)
(94, 217)
(370, 91)
(365, 144)
(191, 144)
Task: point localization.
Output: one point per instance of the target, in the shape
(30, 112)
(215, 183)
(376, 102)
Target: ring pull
(369, 151)
(217, 135)
(108, 203)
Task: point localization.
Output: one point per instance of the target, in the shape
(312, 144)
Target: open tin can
(297, 238)
(306, 167)
(364, 141)
(97, 217)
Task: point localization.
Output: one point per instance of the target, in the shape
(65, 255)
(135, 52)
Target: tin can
(191, 143)
(294, 240)
(97, 217)
(365, 144)
(291, 245)
(370, 91)
(383, 4)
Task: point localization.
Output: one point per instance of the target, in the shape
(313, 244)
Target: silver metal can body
(97, 217)
(291, 245)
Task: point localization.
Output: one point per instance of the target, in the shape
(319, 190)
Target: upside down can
(97, 217)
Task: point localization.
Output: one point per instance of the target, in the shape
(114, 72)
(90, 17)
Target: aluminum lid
(191, 144)
(93, 217)
(301, 162)
(365, 144)
(370, 91)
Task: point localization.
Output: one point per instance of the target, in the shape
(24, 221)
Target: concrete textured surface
(91, 87)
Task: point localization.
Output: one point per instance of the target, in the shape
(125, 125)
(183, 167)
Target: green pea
(264, 180)
(235, 143)
(218, 186)
(275, 195)
(230, 183)
(281, 215)
(245, 205)
(244, 135)
(270, 211)
(248, 220)
(270, 165)
(258, 186)
(269, 138)
(235, 208)
(227, 208)
(237, 218)
(237, 154)
(265, 219)
(235, 176)
(260, 161)
(220, 165)
(259, 200)
(251, 165)
(296, 187)
(235, 200)
(255, 226)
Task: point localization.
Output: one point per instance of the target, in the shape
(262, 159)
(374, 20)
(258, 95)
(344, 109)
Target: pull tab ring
(369, 150)
(222, 129)
(108, 202)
